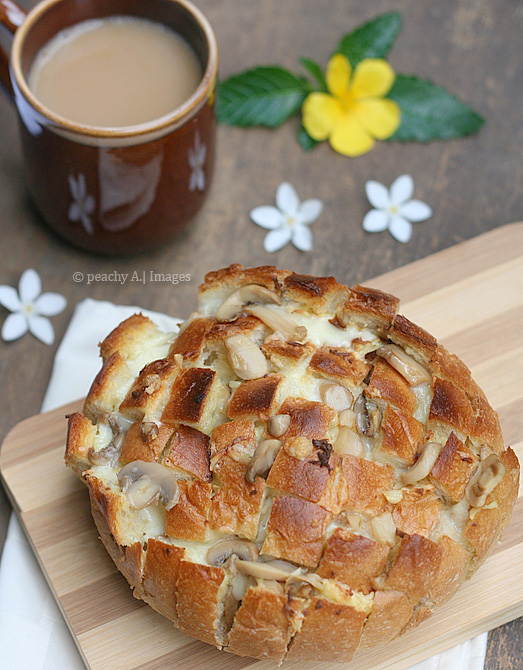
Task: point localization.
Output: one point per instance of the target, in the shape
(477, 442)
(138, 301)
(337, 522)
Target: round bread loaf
(299, 473)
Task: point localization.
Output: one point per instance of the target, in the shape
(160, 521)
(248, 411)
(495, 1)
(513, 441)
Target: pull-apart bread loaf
(299, 473)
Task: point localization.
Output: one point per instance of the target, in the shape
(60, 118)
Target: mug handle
(11, 17)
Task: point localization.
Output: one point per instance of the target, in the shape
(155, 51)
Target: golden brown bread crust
(188, 450)
(160, 574)
(415, 567)
(453, 469)
(80, 436)
(255, 398)
(353, 559)
(330, 631)
(125, 336)
(365, 481)
(379, 478)
(402, 435)
(307, 418)
(296, 531)
(369, 307)
(104, 394)
(263, 625)
(309, 478)
(136, 447)
(387, 384)
(188, 519)
(417, 513)
(236, 503)
(197, 600)
(390, 614)
(339, 365)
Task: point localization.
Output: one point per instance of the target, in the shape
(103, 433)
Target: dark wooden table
(471, 47)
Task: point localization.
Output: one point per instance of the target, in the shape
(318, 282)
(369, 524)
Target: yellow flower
(354, 112)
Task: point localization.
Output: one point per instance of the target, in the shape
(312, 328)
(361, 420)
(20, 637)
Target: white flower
(288, 221)
(83, 204)
(197, 157)
(30, 309)
(394, 209)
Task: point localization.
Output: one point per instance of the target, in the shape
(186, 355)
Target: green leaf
(305, 140)
(371, 40)
(429, 112)
(263, 96)
(316, 71)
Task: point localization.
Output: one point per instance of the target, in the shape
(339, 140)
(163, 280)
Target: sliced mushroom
(308, 577)
(278, 424)
(245, 357)
(363, 421)
(117, 422)
(143, 492)
(240, 585)
(488, 475)
(279, 322)
(233, 306)
(336, 396)
(430, 452)
(110, 454)
(262, 459)
(221, 551)
(347, 417)
(374, 418)
(384, 528)
(409, 369)
(145, 483)
(274, 570)
(149, 430)
(348, 443)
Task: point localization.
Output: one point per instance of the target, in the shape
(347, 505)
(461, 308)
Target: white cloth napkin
(33, 633)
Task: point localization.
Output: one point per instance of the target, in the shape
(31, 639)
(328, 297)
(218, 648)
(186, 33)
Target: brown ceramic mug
(121, 190)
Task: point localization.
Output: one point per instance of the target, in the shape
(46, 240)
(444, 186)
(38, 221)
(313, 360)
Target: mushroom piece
(308, 577)
(233, 306)
(149, 430)
(347, 417)
(278, 424)
(240, 585)
(336, 396)
(117, 422)
(221, 551)
(279, 322)
(409, 369)
(145, 483)
(488, 475)
(262, 459)
(348, 443)
(383, 528)
(430, 452)
(245, 357)
(363, 422)
(273, 570)
(110, 454)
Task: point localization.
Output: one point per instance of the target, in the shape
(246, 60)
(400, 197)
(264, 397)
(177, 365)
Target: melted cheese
(423, 394)
(321, 332)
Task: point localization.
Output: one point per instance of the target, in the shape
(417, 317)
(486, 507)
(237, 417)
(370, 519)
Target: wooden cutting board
(471, 298)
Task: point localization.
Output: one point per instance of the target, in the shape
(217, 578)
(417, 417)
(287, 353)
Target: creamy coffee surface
(114, 72)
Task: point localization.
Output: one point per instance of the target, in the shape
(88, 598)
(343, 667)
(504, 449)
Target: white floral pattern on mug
(197, 156)
(83, 204)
